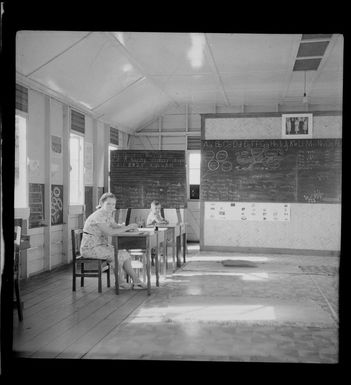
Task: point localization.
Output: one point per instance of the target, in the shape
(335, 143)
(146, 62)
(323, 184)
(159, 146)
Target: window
(111, 147)
(194, 163)
(21, 199)
(76, 147)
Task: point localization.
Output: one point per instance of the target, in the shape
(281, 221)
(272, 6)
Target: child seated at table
(155, 216)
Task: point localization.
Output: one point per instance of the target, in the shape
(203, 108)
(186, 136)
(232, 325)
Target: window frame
(25, 116)
(81, 171)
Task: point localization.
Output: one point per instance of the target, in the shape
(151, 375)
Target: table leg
(184, 247)
(148, 267)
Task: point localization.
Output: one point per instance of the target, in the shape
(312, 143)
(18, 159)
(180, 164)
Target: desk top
(134, 234)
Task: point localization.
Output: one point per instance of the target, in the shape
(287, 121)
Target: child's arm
(150, 219)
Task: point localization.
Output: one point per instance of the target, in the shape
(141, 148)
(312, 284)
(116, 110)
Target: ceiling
(127, 78)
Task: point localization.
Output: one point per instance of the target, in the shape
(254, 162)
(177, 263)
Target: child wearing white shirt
(155, 216)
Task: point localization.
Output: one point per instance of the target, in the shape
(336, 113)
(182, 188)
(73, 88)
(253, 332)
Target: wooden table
(144, 239)
(178, 231)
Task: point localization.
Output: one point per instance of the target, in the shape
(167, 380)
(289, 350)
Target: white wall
(35, 259)
(313, 227)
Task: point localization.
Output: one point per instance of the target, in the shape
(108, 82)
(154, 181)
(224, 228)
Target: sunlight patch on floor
(244, 276)
(205, 313)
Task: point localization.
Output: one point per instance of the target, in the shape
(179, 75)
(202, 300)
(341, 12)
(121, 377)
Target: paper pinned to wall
(88, 163)
(247, 211)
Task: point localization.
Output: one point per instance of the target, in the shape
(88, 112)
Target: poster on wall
(36, 205)
(56, 146)
(88, 163)
(246, 211)
(56, 204)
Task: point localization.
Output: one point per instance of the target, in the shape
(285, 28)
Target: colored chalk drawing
(248, 211)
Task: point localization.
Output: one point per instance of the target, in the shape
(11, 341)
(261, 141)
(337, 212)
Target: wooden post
(66, 185)
(47, 193)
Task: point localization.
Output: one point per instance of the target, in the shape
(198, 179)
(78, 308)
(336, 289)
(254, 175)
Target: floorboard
(273, 311)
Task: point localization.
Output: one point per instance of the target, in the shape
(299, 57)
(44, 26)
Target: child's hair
(155, 203)
(104, 197)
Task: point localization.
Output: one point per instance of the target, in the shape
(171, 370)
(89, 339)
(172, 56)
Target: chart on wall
(36, 205)
(140, 176)
(247, 211)
(56, 204)
(279, 170)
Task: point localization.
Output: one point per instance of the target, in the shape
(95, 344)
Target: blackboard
(281, 170)
(140, 176)
(88, 197)
(100, 191)
(36, 205)
(56, 204)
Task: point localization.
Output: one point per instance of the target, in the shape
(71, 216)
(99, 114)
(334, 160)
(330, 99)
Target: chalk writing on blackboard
(282, 170)
(56, 204)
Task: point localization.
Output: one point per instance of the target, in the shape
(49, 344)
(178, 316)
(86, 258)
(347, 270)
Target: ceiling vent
(309, 54)
(316, 36)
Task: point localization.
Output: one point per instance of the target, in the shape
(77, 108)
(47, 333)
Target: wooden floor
(284, 309)
(55, 317)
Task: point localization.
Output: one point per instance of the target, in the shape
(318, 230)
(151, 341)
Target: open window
(194, 163)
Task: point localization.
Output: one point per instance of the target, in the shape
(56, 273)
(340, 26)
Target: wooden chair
(17, 244)
(138, 262)
(95, 266)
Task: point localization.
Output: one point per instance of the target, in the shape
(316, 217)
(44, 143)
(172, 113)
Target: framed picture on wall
(297, 126)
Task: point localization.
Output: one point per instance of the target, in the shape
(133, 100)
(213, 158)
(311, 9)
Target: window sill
(76, 209)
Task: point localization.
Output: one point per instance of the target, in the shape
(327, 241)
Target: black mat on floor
(238, 263)
(323, 270)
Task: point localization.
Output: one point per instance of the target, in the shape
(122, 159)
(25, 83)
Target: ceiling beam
(59, 54)
(294, 48)
(135, 63)
(119, 92)
(215, 71)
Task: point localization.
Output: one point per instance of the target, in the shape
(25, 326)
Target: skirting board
(268, 250)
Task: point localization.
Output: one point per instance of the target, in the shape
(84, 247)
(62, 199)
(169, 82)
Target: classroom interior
(208, 124)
